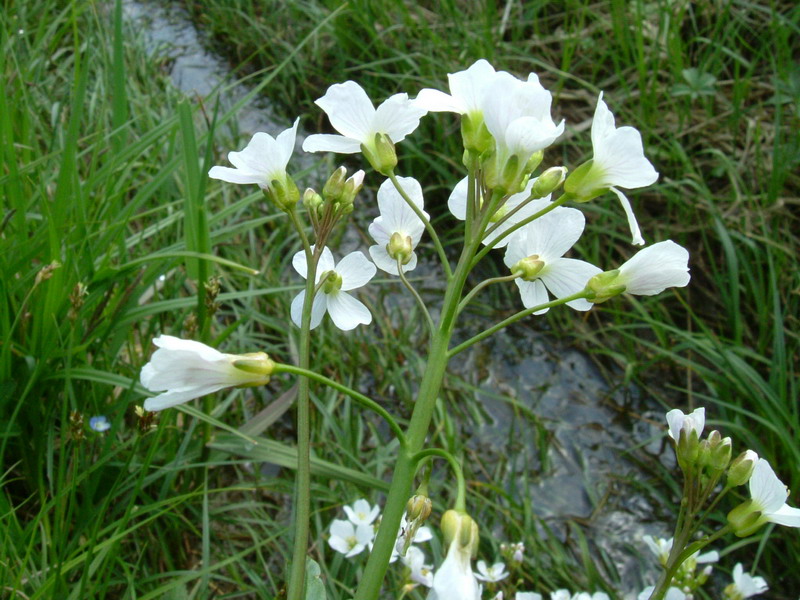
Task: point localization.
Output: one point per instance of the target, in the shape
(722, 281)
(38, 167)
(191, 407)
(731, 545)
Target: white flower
(560, 595)
(467, 91)
(518, 551)
(661, 547)
(497, 572)
(454, 579)
(618, 161)
(349, 539)
(99, 424)
(527, 596)
(397, 219)
(537, 249)
(352, 272)
(352, 114)
(185, 369)
(457, 203)
(420, 573)
(655, 268)
(673, 593)
(263, 160)
(769, 496)
(361, 513)
(678, 422)
(744, 585)
(517, 114)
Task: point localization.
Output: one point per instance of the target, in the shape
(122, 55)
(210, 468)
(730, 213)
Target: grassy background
(101, 164)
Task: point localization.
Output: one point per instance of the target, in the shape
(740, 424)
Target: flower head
(398, 229)
(362, 126)
(361, 512)
(349, 539)
(517, 114)
(767, 503)
(494, 573)
(744, 585)
(263, 162)
(454, 579)
(536, 252)
(618, 161)
(99, 424)
(352, 272)
(185, 369)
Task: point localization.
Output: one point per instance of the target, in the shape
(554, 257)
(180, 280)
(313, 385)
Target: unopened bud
(721, 454)
(400, 247)
(688, 448)
(381, 155)
(742, 468)
(548, 182)
(333, 188)
(605, 285)
(351, 187)
(528, 268)
(312, 201)
(418, 507)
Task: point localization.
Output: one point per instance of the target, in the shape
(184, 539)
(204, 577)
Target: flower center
(333, 282)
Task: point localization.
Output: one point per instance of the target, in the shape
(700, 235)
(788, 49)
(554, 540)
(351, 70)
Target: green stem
(455, 466)
(561, 200)
(303, 484)
(482, 285)
(358, 397)
(417, 297)
(513, 319)
(405, 468)
(428, 227)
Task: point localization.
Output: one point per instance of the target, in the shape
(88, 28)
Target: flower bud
(746, 519)
(418, 507)
(584, 184)
(400, 246)
(334, 187)
(528, 268)
(688, 449)
(605, 286)
(742, 468)
(381, 155)
(548, 182)
(721, 454)
(312, 201)
(351, 187)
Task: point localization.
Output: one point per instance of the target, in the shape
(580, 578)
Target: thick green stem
(302, 505)
(405, 469)
(358, 397)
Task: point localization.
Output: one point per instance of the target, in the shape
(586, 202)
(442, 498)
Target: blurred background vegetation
(102, 179)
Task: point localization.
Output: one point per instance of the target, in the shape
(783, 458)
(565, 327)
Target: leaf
(315, 589)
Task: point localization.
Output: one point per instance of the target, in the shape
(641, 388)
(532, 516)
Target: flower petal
(470, 87)
(457, 202)
(551, 235)
(533, 294)
(766, 490)
(237, 176)
(397, 116)
(325, 142)
(318, 308)
(347, 312)
(636, 235)
(435, 101)
(349, 110)
(386, 263)
(655, 268)
(786, 515)
(175, 397)
(355, 270)
(567, 276)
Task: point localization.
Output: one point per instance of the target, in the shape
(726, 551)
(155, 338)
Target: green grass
(101, 171)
